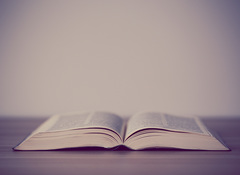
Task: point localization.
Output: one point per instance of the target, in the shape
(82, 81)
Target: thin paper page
(105, 119)
(69, 121)
(189, 124)
(163, 121)
(88, 119)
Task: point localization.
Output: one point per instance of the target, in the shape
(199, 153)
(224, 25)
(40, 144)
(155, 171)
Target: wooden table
(13, 130)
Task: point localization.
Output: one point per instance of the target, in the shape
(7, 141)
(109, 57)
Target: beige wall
(123, 56)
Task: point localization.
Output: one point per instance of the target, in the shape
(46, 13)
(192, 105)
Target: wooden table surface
(14, 130)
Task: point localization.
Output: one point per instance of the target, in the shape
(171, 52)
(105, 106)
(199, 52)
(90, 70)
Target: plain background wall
(123, 56)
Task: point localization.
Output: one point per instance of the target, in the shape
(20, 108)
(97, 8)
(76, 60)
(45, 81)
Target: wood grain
(122, 161)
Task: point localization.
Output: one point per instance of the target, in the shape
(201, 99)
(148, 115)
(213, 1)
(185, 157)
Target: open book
(108, 130)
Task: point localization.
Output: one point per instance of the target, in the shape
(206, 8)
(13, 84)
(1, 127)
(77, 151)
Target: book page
(164, 121)
(87, 120)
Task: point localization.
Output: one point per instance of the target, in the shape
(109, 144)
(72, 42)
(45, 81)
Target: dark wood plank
(75, 161)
